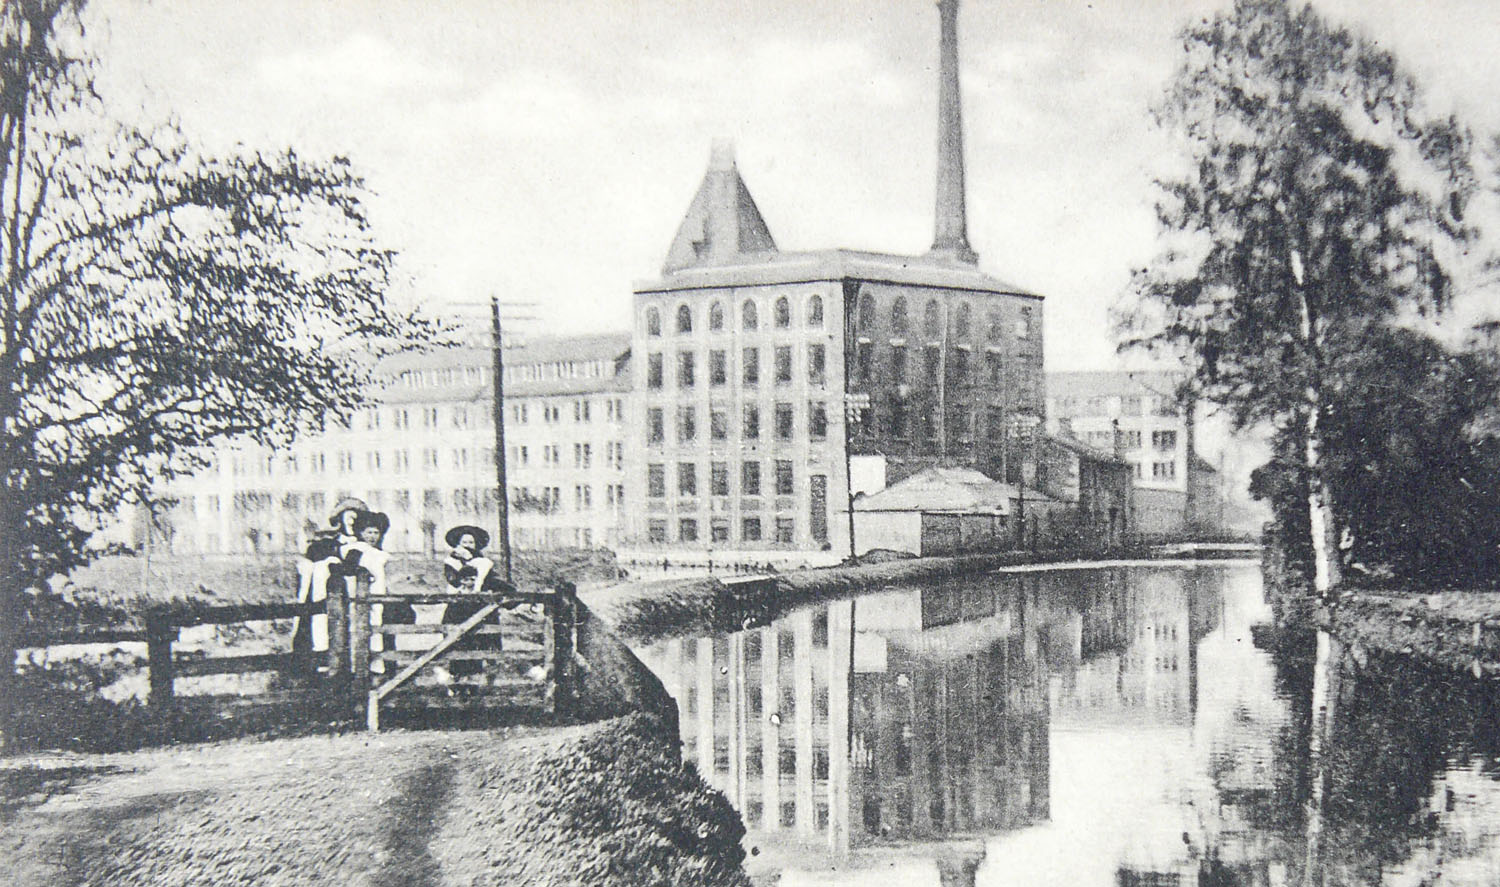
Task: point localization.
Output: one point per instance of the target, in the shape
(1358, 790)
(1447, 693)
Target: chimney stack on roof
(951, 238)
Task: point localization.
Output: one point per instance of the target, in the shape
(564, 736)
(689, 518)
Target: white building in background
(424, 454)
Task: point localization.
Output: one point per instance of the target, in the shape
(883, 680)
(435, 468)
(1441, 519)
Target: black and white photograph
(750, 443)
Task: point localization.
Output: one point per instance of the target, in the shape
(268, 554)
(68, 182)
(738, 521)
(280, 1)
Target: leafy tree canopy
(156, 299)
(1318, 203)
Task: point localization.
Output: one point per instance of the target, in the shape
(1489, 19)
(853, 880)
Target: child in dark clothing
(314, 573)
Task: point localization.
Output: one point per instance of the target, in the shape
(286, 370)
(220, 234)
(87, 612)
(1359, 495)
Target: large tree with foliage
(155, 300)
(1317, 204)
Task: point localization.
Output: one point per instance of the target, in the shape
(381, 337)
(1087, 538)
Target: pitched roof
(722, 223)
(947, 490)
(761, 269)
(540, 366)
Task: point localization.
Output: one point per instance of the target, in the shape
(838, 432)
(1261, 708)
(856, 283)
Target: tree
(1318, 203)
(156, 300)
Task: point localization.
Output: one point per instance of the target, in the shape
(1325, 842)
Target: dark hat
(481, 538)
(372, 519)
(344, 505)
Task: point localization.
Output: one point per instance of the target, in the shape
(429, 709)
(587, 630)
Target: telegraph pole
(502, 502)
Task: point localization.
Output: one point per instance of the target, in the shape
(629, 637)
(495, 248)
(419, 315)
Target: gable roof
(944, 490)
(722, 223)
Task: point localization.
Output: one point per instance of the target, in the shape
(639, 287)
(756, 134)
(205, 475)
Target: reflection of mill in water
(919, 720)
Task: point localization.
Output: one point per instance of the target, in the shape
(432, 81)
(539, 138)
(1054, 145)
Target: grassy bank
(609, 802)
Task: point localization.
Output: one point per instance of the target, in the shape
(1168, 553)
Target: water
(1118, 726)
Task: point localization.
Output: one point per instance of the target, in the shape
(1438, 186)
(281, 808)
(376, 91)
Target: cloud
(361, 68)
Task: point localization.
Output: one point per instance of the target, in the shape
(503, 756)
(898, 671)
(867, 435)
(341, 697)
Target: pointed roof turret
(722, 223)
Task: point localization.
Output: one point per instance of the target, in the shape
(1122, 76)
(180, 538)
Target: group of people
(354, 542)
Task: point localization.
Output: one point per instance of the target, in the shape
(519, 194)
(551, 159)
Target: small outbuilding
(938, 511)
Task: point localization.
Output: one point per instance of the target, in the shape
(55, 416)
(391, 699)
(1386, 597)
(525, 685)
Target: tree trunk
(1326, 569)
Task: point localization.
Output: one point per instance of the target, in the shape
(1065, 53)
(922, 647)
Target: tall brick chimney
(951, 238)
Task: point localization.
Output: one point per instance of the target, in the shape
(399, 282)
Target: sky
(546, 150)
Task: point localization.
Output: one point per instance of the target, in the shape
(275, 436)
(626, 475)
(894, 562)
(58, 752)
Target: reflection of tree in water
(1398, 729)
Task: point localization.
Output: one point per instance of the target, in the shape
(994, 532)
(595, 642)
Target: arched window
(996, 324)
(716, 316)
(653, 322)
(815, 311)
(932, 323)
(684, 319)
(866, 312)
(898, 315)
(783, 313)
(961, 322)
(748, 318)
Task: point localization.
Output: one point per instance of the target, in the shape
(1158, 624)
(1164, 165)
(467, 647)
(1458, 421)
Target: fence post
(359, 635)
(549, 652)
(564, 640)
(338, 631)
(160, 634)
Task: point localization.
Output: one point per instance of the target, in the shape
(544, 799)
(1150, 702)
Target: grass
(609, 802)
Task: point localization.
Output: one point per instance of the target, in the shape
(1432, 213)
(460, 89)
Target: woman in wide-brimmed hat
(466, 567)
(314, 571)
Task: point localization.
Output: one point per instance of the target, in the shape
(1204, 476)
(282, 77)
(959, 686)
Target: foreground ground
(609, 802)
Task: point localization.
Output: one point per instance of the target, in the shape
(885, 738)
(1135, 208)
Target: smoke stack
(951, 238)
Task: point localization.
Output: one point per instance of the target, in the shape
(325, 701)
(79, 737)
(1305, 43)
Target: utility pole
(502, 502)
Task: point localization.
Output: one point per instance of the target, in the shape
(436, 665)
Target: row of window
(398, 461)
(751, 530)
(784, 417)
(583, 455)
(1109, 405)
(582, 411)
(1165, 441)
(899, 320)
(898, 419)
(781, 316)
(784, 480)
(749, 370)
(956, 367)
(544, 500)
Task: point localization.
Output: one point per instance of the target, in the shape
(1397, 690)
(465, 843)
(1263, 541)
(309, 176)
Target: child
(465, 568)
(313, 573)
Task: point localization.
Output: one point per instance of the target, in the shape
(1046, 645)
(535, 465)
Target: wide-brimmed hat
(372, 519)
(344, 505)
(481, 538)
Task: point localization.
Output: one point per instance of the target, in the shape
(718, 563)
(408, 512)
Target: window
(751, 362)
(583, 497)
(783, 477)
(958, 367)
(719, 529)
(748, 318)
(653, 322)
(461, 459)
(994, 423)
(863, 355)
(716, 316)
(752, 422)
(429, 458)
(687, 479)
(932, 362)
(815, 311)
(994, 368)
(817, 421)
(1163, 470)
(684, 319)
(817, 363)
(866, 312)
(750, 529)
(685, 366)
(581, 411)
(655, 426)
(718, 479)
(583, 455)
(656, 481)
(932, 323)
(783, 364)
(783, 421)
(687, 424)
(653, 370)
(995, 324)
(718, 367)
(401, 418)
(1130, 440)
(783, 313)
(898, 365)
(429, 417)
(372, 460)
(896, 419)
(750, 479)
(898, 315)
(403, 461)
(372, 419)
(460, 417)
(786, 531)
(1164, 440)
(718, 425)
(961, 321)
(656, 531)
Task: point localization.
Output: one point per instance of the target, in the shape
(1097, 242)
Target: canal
(1132, 725)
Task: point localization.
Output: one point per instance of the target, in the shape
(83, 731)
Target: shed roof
(943, 490)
